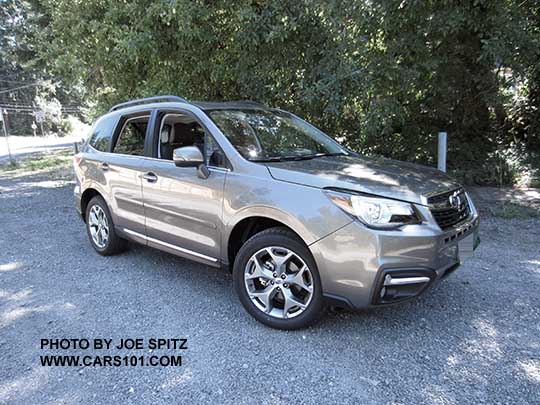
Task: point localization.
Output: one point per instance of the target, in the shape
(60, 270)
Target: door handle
(104, 167)
(150, 177)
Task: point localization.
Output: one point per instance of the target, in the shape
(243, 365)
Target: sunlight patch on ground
(452, 360)
(10, 266)
(531, 368)
(46, 184)
(478, 351)
(177, 380)
(486, 346)
(24, 386)
(485, 328)
(11, 315)
(20, 295)
(41, 184)
(535, 265)
(437, 395)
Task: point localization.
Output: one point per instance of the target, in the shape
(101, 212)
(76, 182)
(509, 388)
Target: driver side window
(180, 130)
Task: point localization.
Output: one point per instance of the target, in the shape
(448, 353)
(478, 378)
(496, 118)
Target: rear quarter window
(102, 131)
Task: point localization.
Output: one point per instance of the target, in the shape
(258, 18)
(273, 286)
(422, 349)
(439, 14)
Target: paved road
(24, 145)
(475, 338)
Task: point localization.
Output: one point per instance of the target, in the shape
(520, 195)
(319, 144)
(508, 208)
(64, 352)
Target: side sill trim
(169, 245)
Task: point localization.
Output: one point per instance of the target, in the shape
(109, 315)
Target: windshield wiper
(282, 158)
(297, 157)
(269, 159)
(323, 154)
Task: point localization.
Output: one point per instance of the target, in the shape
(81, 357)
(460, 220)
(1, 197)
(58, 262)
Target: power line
(30, 109)
(35, 107)
(15, 74)
(14, 81)
(21, 87)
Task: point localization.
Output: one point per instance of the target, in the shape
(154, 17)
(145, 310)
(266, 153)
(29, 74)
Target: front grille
(449, 208)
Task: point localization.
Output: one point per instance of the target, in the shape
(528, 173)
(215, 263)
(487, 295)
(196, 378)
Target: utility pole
(6, 133)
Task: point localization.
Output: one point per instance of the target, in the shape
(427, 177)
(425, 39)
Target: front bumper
(356, 262)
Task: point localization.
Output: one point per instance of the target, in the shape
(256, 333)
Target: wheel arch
(254, 221)
(86, 196)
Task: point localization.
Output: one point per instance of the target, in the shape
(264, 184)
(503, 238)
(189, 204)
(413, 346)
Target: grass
(59, 161)
(511, 210)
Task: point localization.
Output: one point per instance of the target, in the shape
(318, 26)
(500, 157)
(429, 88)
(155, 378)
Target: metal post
(6, 134)
(441, 158)
(39, 115)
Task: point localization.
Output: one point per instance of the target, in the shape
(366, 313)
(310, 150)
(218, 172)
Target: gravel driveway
(474, 338)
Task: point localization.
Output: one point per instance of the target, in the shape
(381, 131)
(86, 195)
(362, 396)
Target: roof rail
(252, 102)
(147, 100)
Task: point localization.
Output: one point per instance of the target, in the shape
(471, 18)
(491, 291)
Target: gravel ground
(474, 338)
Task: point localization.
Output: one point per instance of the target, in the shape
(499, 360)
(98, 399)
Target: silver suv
(300, 220)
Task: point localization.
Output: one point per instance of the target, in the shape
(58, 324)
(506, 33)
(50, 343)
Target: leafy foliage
(25, 80)
(382, 76)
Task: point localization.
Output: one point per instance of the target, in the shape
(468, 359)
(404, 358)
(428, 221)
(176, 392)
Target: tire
(112, 244)
(261, 256)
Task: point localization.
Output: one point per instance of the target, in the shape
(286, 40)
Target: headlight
(375, 212)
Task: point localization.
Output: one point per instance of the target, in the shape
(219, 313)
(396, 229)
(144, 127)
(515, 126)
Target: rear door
(184, 210)
(123, 169)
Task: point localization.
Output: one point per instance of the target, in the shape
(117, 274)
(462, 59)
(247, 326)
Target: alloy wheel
(278, 282)
(99, 226)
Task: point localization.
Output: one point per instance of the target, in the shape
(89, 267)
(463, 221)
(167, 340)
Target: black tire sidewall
(289, 241)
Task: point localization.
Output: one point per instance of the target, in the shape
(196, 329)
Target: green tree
(382, 76)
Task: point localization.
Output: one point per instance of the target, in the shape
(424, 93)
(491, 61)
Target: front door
(183, 210)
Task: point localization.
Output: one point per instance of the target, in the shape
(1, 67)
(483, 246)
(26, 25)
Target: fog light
(401, 284)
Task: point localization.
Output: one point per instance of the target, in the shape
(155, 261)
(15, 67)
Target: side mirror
(187, 156)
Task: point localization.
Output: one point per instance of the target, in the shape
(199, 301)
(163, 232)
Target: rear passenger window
(131, 139)
(102, 133)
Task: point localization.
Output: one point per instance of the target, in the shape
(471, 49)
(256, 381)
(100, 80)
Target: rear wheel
(100, 228)
(277, 280)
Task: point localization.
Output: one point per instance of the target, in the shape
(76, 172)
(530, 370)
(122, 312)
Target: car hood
(379, 176)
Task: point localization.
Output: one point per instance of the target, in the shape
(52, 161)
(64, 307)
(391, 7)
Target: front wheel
(277, 280)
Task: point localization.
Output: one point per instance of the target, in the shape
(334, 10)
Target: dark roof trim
(148, 100)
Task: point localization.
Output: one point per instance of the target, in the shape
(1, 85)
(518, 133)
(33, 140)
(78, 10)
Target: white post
(6, 134)
(441, 158)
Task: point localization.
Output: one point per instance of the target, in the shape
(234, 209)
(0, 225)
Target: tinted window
(214, 156)
(102, 133)
(131, 139)
(178, 130)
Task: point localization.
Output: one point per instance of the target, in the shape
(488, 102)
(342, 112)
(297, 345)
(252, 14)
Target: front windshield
(262, 135)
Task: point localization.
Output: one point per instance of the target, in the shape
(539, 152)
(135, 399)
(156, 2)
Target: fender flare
(266, 212)
(87, 185)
